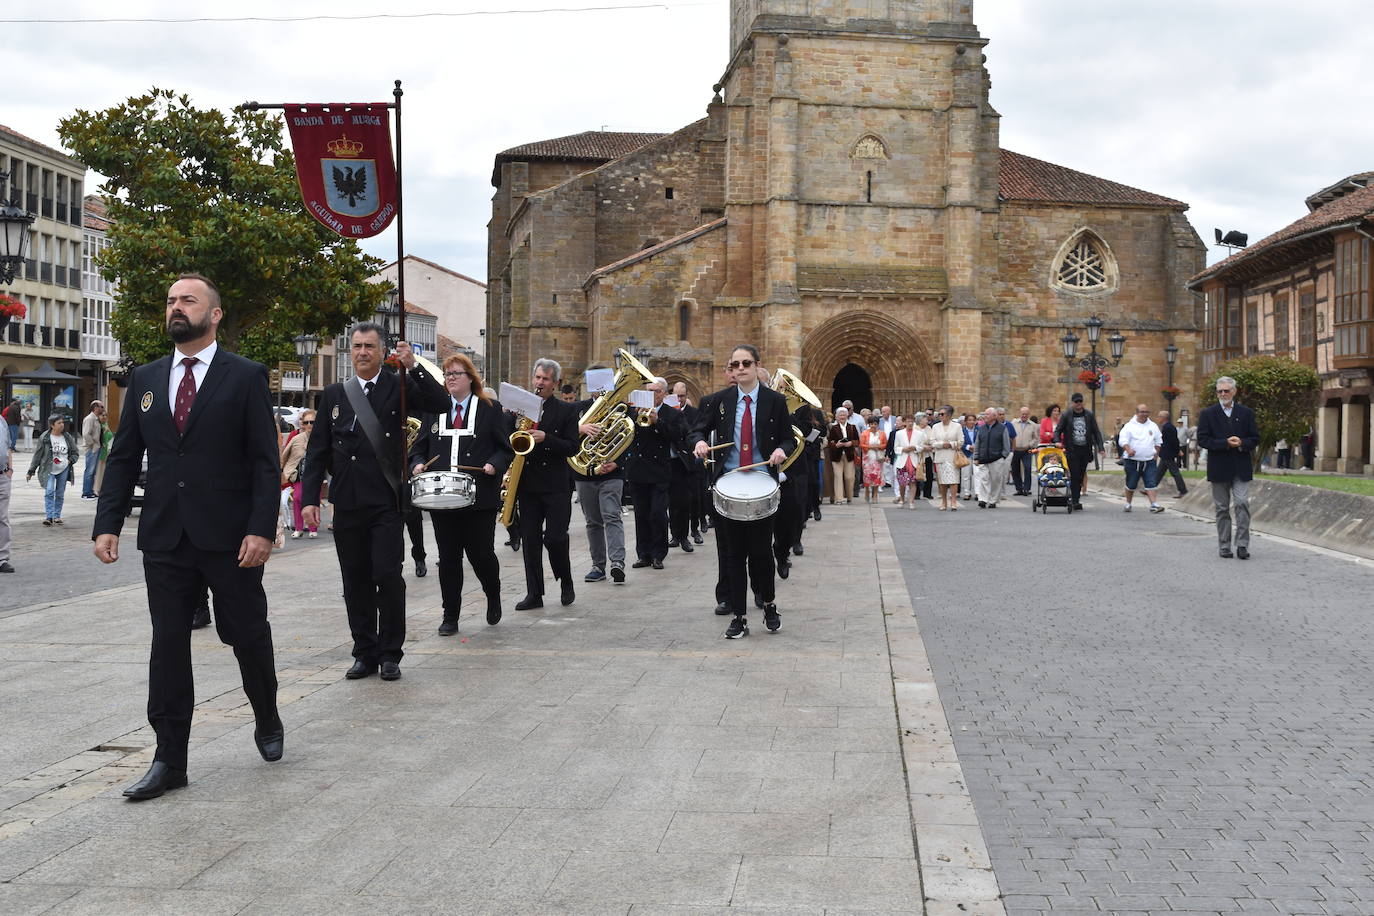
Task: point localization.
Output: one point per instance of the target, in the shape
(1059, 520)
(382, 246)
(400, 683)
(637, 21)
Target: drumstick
(749, 467)
(461, 467)
(426, 465)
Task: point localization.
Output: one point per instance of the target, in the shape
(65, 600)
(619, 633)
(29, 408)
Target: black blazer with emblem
(772, 426)
(546, 467)
(339, 447)
(488, 444)
(217, 482)
(649, 459)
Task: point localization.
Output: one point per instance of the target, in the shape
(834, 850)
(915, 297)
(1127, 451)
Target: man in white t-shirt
(1140, 440)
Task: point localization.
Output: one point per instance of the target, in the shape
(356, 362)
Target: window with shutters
(1352, 319)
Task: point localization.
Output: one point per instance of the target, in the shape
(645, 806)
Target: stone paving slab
(616, 755)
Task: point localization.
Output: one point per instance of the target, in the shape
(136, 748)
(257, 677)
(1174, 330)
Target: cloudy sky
(1240, 108)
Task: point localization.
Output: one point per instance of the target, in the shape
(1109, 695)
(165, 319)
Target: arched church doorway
(852, 384)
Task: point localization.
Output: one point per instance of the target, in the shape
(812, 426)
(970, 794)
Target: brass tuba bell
(610, 413)
(797, 393)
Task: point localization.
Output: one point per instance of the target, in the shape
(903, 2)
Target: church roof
(590, 145)
(655, 249)
(1026, 178)
(1350, 210)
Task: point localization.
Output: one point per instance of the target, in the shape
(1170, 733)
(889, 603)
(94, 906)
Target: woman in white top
(947, 440)
(909, 450)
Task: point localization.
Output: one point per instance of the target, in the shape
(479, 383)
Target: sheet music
(599, 380)
(517, 399)
(672, 400)
(642, 398)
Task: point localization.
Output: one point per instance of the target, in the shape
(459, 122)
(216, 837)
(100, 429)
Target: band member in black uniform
(649, 471)
(815, 420)
(791, 514)
(415, 530)
(544, 494)
(203, 415)
(359, 439)
(754, 419)
(688, 483)
(476, 422)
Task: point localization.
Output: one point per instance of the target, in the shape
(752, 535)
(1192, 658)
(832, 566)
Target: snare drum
(746, 496)
(442, 490)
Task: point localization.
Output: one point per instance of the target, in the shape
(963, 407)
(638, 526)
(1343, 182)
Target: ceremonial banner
(344, 165)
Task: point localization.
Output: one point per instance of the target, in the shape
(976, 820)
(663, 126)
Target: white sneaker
(295, 534)
(313, 534)
(1126, 508)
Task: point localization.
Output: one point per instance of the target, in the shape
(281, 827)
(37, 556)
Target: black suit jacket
(1225, 463)
(546, 467)
(649, 459)
(217, 482)
(488, 444)
(340, 448)
(772, 429)
(1169, 450)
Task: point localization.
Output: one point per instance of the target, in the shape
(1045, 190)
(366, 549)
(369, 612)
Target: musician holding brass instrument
(648, 470)
(792, 509)
(746, 429)
(543, 491)
(456, 465)
(360, 440)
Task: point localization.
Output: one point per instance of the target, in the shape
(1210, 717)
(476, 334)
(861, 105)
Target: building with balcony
(97, 293)
(1305, 292)
(49, 184)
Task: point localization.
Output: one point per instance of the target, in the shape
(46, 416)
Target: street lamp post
(14, 232)
(1094, 362)
(1170, 357)
(306, 346)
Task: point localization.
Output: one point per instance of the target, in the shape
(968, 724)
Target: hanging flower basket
(1090, 379)
(1171, 391)
(10, 308)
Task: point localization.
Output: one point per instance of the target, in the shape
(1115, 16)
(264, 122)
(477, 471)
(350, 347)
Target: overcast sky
(1241, 109)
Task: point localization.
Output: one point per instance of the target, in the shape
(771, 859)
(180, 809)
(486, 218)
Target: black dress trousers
(651, 520)
(370, 542)
(544, 518)
(748, 561)
(471, 532)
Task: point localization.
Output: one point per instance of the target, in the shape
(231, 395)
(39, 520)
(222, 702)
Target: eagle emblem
(350, 186)
(350, 182)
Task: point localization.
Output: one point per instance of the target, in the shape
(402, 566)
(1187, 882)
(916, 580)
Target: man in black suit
(1229, 433)
(1171, 452)
(688, 481)
(544, 494)
(204, 417)
(359, 438)
(476, 426)
(754, 419)
(649, 471)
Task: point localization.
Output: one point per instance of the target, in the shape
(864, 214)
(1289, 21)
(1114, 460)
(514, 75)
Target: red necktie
(456, 421)
(186, 395)
(746, 435)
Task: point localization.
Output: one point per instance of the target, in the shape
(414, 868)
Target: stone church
(846, 206)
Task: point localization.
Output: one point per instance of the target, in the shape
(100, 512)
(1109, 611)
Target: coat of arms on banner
(350, 182)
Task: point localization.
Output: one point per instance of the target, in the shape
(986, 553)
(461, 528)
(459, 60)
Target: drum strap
(367, 419)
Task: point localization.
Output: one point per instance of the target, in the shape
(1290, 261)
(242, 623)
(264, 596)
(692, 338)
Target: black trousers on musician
(787, 520)
(683, 499)
(651, 519)
(748, 556)
(370, 543)
(175, 581)
(415, 527)
(472, 532)
(544, 519)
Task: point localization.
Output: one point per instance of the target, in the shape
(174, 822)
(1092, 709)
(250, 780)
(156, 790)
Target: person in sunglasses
(754, 420)
(292, 469)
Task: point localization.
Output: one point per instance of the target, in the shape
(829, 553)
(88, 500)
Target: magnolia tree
(1281, 391)
(204, 191)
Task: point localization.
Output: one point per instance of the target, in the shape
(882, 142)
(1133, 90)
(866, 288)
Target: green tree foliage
(200, 191)
(1281, 391)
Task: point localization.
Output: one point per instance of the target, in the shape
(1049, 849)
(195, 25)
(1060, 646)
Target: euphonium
(523, 443)
(610, 413)
(797, 393)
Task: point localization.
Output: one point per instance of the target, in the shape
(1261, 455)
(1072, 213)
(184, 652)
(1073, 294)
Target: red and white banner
(344, 165)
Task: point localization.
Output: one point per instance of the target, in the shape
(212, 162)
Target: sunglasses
(307, 423)
(740, 364)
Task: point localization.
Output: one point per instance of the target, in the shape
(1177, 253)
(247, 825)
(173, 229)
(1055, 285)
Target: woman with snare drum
(475, 432)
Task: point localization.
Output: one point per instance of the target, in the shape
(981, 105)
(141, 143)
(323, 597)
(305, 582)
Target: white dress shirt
(198, 371)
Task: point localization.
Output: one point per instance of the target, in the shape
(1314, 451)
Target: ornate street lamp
(306, 346)
(14, 233)
(1094, 362)
(1170, 357)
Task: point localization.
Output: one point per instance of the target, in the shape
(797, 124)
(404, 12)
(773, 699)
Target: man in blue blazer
(1229, 433)
(204, 416)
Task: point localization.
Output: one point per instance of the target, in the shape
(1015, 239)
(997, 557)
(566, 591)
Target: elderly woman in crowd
(946, 441)
(912, 443)
(873, 441)
(52, 462)
(291, 470)
(968, 473)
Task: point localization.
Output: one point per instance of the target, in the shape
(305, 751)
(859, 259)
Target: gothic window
(869, 147)
(1085, 265)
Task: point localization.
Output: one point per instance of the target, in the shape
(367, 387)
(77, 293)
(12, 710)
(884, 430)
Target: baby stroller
(1051, 479)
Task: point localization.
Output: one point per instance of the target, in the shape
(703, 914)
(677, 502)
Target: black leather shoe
(798, 550)
(568, 596)
(698, 539)
(673, 543)
(657, 564)
(529, 602)
(1242, 553)
(722, 609)
(448, 627)
(493, 611)
(391, 671)
(420, 569)
(1224, 553)
(641, 564)
(757, 603)
(816, 514)
(686, 546)
(784, 568)
(360, 669)
(201, 619)
(160, 778)
(271, 744)
(771, 620)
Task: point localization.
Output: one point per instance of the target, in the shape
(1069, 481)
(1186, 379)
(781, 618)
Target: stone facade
(845, 204)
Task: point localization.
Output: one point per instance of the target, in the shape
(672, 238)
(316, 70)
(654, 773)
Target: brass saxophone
(522, 443)
(797, 393)
(610, 413)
